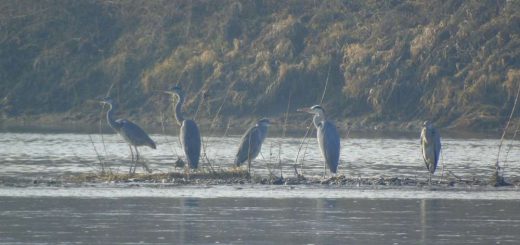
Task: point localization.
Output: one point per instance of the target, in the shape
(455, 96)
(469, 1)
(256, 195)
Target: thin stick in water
(101, 163)
(497, 164)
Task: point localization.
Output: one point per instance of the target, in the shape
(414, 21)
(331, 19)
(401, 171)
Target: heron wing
(330, 145)
(190, 140)
(424, 142)
(134, 134)
(250, 145)
(429, 149)
(437, 143)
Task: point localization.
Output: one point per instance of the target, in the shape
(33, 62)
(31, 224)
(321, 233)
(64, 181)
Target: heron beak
(305, 109)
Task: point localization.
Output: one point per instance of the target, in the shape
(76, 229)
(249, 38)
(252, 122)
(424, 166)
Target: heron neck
(178, 109)
(263, 131)
(110, 117)
(318, 119)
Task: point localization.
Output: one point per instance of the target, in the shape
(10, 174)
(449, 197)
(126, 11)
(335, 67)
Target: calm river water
(253, 214)
(43, 155)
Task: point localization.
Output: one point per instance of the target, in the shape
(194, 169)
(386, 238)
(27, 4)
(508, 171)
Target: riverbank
(64, 123)
(241, 177)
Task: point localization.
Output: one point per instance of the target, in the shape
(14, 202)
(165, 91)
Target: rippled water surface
(66, 220)
(28, 154)
(112, 213)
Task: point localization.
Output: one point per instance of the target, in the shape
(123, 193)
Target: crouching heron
(251, 143)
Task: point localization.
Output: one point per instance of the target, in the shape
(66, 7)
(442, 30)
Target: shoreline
(12, 125)
(241, 178)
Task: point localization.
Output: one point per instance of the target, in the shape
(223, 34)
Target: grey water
(48, 155)
(156, 220)
(112, 213)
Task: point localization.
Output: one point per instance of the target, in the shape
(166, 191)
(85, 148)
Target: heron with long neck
(131, 133)
(189, 133)
(328, 137)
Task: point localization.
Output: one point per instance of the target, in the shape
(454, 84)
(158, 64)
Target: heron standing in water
(131, 133)
(430, 146)
(251, 143)
(189, 132)
(328, 138)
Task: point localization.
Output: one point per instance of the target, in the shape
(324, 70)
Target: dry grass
(404, 50)
(228, 174)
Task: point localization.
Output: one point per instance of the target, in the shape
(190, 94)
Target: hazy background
(387, 63)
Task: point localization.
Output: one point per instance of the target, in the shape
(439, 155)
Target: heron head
(263, 122)
(316, 109)
(427, 123)
(174, 90)
(107, 100)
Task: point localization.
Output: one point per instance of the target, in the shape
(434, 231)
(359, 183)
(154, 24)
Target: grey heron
(189, 132)
(251, 142)
(131, 133)
(430, 146)
(328, 137)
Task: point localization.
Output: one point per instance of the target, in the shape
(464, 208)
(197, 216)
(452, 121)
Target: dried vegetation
(455, 62)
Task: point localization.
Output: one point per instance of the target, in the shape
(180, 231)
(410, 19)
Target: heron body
(328, 137)
(431, 146)
(133, 134)
(251, 142)
(190, 140)
(189, 132)
(129, 131)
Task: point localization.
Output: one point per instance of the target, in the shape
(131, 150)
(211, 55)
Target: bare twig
(221, 105)
(227, 128)
(310, 124)
(203, 139)
(101, 133)
(200, 105)
(213, 121)
(305, 153)
(163, 129)
(269, 163)
(326, 84)
(301, 145)
(454, 175)
(511, 144)
(443, 168)
(497, 163)
(101, 162)
(284, 131)
(101, 120)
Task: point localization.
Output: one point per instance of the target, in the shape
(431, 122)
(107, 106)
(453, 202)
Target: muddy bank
(242, 178)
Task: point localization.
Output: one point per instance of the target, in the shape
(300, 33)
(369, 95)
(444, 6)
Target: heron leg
(136, 158)
(324, 170)
(187, 171)
(249, 167)
(132, 164)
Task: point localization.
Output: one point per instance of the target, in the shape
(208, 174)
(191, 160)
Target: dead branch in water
(300, 147)
(101, 162)
(500, 175)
